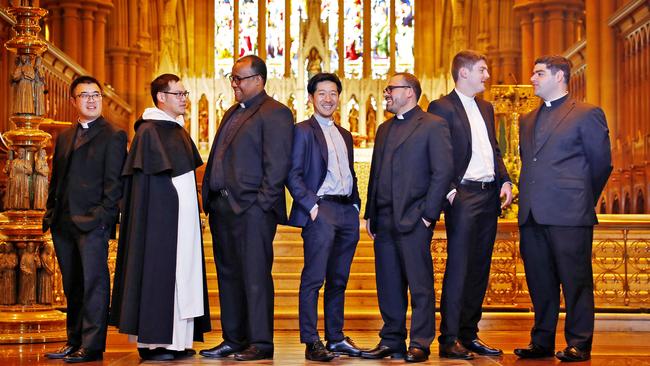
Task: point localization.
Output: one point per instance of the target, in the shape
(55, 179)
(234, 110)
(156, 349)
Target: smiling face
(243, 83)
(325, 99)
(397, 94)
(87, 100)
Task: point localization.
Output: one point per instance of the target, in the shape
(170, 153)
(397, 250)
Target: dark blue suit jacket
(309, 168)
(562, 177)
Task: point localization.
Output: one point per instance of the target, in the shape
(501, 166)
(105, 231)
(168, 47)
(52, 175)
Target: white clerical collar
(464, 98)
(85, 125)
(159, 114)
(242, 105)
(323, 121)
(549, 103)
(399, 116)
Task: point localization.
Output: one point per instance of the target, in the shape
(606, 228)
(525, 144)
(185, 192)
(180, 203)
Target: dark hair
(556, 63)
(84, 79)
(320, 77)
(161, 84)
(257, 65)
(466, 59)
(413, 82)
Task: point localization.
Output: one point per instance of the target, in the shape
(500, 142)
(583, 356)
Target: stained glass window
(275, 48)
(404, 35)
(248, 28)
(353, 38)
(380, 34)
(223, 36)
(330, 13)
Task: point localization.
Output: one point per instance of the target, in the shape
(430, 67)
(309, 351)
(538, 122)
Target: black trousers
(243, 252)
(82, 258)
(403, 263)
(471, 224)
(557, 256)
(329, 245)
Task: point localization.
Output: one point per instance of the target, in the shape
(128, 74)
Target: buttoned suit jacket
(421, 170)
(257, 158)
(562, 177)
(309, 161)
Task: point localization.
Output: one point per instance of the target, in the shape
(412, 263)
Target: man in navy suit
(566, 161)
(326, 206)
(480, 178)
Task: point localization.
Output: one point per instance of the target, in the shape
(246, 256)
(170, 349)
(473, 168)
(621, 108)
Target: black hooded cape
(145, 268)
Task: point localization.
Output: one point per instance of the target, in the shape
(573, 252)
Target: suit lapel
(409, 128)
(348, 143)
(380, 141)
(320, 138)
(246, 114)
(557, 117)
(94, 131)
(487, 119)
(528, 129)
(226, 117)
(462, 114)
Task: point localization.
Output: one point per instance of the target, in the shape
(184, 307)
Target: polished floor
(610, 349)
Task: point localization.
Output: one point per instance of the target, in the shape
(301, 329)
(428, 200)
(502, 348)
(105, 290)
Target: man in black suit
(326, 206)
(243, 194)
(411, 168)
(566, 161)
(480, 178)
(82, 208)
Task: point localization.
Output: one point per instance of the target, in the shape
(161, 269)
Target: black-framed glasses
(238, 79)
(389, 89)
(179, 95)
(89, 96)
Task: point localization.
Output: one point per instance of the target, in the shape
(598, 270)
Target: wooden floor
(610, 349)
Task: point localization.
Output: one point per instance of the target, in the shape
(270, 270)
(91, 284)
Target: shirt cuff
(357, 207)
(452, 192)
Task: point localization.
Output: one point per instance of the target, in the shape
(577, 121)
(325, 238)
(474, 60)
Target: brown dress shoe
(416, 354)
(83, 355)
(316, 351)
(573, 354)
(455, 350)
(253, 353)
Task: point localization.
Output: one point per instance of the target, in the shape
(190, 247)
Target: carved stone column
(26, 313)
(71, 29)
(87, 18)
(99, 61)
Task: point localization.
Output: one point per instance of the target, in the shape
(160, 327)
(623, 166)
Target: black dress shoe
(533, 351)
(573, 354)
(220, 351)
(455, 350)
(416, 354)
(344, 347)
(188, 352)
(62, 352)
(156, 354)
(480, 348)
(316, 352)
(83, 355)
(253, 353)
(382, 351)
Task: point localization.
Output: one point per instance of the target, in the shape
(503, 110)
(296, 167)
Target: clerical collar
(556, 102)
(464, 98)
(408, 114)
(323, 121)
(86, 125)
(254, 100)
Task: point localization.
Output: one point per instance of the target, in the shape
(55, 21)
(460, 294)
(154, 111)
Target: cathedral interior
(126, 43)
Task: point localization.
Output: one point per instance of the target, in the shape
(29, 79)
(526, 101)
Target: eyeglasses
(179, 95)
(389, 89)
(89, 96)
(238, 79)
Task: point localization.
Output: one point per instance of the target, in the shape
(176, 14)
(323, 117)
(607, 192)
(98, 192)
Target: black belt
(336, 198)
(481, 186)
